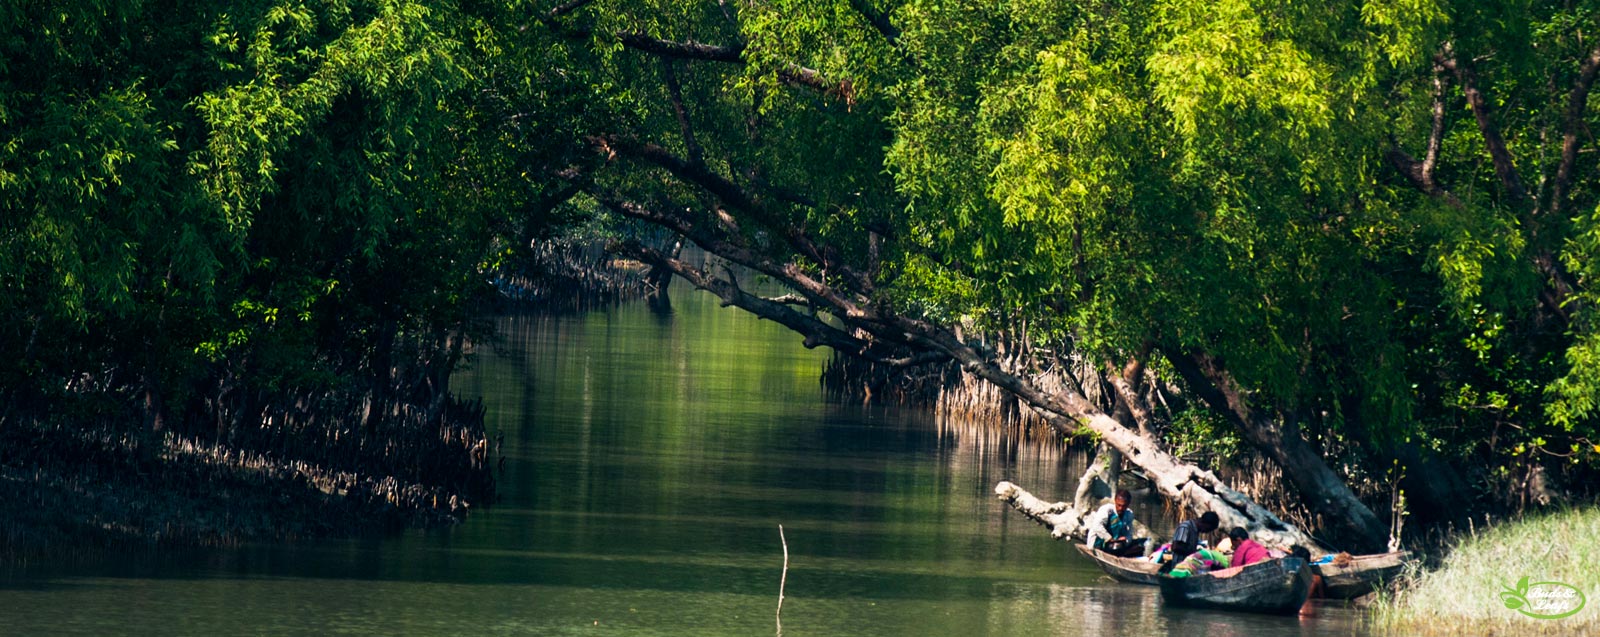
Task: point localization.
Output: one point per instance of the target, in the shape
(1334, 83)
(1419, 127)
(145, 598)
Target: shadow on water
(661, 307)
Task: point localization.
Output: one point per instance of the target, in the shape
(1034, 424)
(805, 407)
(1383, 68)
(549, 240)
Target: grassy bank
(1464, 596)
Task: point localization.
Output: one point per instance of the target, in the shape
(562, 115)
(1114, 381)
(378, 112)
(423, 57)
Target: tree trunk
(1192, 487)
(1434, 488)
(1063, 520)
(1099, 481)
(1066, 410)
(1320, 488)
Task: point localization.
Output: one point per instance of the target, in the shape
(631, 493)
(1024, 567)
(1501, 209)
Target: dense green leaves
(1377, 215)
(260, 196)
(1328, 197)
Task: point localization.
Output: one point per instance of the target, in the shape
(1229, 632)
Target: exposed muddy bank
(67, 491)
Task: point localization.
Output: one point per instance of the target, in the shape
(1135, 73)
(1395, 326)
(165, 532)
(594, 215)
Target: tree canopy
(1361, 233)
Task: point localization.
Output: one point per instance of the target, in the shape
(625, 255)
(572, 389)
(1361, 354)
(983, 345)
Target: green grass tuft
(1463, 597)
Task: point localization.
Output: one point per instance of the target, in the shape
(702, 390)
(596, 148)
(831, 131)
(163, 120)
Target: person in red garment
(1245, 550)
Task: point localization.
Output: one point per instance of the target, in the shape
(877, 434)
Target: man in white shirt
(1110, 529)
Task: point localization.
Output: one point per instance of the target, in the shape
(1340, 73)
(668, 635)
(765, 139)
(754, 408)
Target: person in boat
(1245, 550)
(1309, 608)
(1186, 538)
(1111, 528)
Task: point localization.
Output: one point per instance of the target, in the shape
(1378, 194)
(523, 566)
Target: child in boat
(1111, 528)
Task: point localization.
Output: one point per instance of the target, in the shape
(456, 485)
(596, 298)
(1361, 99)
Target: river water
(651, 458)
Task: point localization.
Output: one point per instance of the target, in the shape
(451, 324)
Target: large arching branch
(738, 197)
(1066, 410)
(779, 310)
(791, 74)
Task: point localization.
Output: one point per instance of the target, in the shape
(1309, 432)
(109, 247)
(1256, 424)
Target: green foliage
(293, 192)
(1200, 435)
(1574, 398)
(259, 195)
(1212, 176)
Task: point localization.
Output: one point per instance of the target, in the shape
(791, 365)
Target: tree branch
(815, 331)
(737, 197)
(791, 74)
(1125, 385)
(566, 8)
(675, 93)
(1572, 121)
(1504, 167)
(1419, 175)
(879, 20)
(689, 50)
(817, 291)
(796, 75)
(1436, 135)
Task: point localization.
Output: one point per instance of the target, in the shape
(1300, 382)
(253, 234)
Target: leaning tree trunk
(1070, 520)
(1066, 410)
(1191, 486)
(1099, 482)
(1320, 488)
(868, 327)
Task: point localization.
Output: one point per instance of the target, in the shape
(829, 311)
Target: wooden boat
(1127, 569)
(1362, 575)
(1275, 586)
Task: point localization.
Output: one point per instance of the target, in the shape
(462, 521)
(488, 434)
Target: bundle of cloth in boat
(1201, 561)
(1237, 550)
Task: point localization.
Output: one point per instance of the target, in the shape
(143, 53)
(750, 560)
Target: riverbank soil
(64, 491)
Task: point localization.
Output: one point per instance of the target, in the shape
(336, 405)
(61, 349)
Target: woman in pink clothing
(1245, 550)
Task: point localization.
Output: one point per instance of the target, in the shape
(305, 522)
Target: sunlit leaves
(400, 56)
(1574, 398)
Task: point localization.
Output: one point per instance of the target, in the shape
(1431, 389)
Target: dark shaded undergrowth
(71, 490)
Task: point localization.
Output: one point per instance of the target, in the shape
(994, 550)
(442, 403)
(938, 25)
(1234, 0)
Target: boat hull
(1126, 569)
(1275, 587)
(1363, 575)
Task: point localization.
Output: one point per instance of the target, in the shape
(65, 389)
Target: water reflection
(650, 458)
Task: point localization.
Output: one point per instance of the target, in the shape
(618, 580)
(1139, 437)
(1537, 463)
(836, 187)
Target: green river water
(650, 459)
